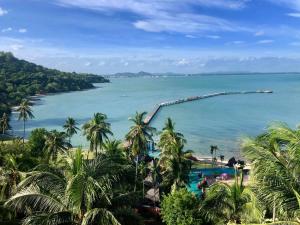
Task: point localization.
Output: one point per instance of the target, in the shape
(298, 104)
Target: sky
(158, 36)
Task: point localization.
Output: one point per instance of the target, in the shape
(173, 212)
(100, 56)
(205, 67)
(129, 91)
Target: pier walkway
(152, 114)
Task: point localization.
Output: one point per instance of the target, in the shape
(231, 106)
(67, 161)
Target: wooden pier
(152, 114)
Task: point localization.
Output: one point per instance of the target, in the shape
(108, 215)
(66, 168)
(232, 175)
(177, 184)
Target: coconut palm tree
(25, 113)
(70, 128)
(138, 136)
(176, 166)
(113, 148)
(55, 142)
(275, 158)
(78, 194)
(169, 136)
(235, 203)
(96, 131)
(4, 123)
(213, 152)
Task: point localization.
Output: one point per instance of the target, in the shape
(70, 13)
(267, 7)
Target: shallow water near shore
(222, 120)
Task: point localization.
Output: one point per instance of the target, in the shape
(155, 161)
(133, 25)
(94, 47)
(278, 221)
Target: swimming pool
(194, 179)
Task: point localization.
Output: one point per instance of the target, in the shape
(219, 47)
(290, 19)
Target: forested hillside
(20, 79)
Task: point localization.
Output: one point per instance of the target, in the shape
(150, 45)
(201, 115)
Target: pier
(152, 114)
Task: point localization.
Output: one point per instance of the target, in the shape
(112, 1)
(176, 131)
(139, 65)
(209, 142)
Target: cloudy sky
(181, 36)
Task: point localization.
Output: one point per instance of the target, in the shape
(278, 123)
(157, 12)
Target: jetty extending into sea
(156, 109)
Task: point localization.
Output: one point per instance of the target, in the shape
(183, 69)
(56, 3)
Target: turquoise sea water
(219, 121)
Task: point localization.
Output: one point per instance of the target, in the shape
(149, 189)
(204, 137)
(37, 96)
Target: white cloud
(190, 36)
(238, 42)
(6, 30)
(186, 23)
(169, 16)
(295, 43)
(265, 41)
(182, 62)
(22, 30)
(297, 15)
(87, 63)
(3, 11)
(292, 4)
(16, 47)
(226, 4)
(126, 63)
(259, 33)
(101, 63)
(213, 36)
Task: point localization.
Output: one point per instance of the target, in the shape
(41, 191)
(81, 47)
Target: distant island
(170, 74)
(20, 79)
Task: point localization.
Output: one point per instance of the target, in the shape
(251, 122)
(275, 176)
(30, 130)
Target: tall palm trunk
(23, 131)
(136, 172)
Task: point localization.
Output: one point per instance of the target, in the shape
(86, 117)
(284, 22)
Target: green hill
(20, 79)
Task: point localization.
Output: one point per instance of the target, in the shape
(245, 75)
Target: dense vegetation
(45, 181)
(20, 79)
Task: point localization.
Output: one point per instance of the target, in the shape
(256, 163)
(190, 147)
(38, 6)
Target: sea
(223, 120)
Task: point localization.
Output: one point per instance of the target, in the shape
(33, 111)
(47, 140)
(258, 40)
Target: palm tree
(138, 136)
(225, 203)
(97, 131)
(55, 142)
(169, 136)
(25, 113)
(113, 148)
(78, 194)
(275, 158)
(176, 166)
(4, 123)
(213, 152)
(70, 127)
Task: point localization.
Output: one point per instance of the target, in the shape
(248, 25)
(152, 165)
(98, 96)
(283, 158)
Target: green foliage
(20, 79)
(139, 134)
(79, 192)
(37, 141)
(236, 203)
(173, 160)
(180, 208)
(70, 128)
(275, 158)
(96, 131)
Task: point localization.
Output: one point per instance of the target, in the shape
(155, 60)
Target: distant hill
(20, 79)
(128, 74)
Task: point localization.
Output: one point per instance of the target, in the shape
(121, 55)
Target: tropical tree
(113, 148)
(70, 128)
(10, 176)
(55, 142)
(181, 208)
(168, 140)
(80, 193)
(25, 113)
(275, 163)
(176, 167)
(138, 136)
(4, 123)
(96, 131)
(168, 136)
(235, 203)
(213, 152)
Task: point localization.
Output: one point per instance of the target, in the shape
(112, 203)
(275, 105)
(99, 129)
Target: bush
(37, 141)
(180, 208)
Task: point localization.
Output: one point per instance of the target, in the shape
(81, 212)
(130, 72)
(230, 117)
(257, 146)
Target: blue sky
(181, 36)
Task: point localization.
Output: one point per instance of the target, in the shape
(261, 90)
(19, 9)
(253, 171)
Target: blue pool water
(194, 179)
